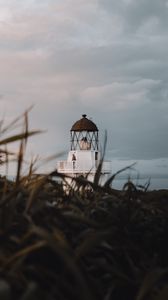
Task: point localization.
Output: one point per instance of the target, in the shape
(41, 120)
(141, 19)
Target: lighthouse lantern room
(84, 155)
(84, 135)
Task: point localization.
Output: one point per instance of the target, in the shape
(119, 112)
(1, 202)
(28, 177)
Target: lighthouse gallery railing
(70, 167)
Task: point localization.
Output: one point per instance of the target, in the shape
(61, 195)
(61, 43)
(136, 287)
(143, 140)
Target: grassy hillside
(90, 245)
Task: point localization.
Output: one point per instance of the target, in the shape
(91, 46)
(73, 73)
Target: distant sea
(156, 182)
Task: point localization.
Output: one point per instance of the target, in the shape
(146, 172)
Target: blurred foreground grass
(90, 245)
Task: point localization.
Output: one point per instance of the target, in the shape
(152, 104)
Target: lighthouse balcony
(67, 167)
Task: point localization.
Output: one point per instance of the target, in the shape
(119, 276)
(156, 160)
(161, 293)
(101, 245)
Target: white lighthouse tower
(84, 155)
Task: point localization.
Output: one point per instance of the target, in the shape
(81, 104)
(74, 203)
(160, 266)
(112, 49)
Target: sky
(104, 58)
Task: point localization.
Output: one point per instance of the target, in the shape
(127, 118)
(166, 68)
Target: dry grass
(90, 245)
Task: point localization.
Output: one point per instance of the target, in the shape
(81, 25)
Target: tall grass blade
(34, 192)
(110, 180)
(150, 282)
(14, 123)
(19, 162)
(99, 169)
(163, 294)
(19, 137)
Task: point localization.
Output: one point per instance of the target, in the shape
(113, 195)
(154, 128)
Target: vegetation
(89, 244)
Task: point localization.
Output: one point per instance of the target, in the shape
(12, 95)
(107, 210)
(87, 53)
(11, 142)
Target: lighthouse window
(73, 160)
(73, 157)
(96, 155)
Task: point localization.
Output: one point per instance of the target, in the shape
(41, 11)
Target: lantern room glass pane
(84, 140)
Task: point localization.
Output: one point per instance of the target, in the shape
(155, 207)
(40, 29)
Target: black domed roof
(84, 124)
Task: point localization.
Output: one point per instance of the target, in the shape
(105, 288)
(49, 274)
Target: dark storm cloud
(135, 14)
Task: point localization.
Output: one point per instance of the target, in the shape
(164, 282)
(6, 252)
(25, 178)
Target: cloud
(107, 59)
(119, 95)
(159, 92)
(140, 17)
(54, 25)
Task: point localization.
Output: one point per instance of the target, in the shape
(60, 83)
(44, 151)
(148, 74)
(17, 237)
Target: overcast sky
(105, 58)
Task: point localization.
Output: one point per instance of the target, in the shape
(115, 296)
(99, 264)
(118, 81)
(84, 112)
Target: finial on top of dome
(84, 115)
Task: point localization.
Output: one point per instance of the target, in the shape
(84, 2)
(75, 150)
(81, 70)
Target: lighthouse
(84, 155)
